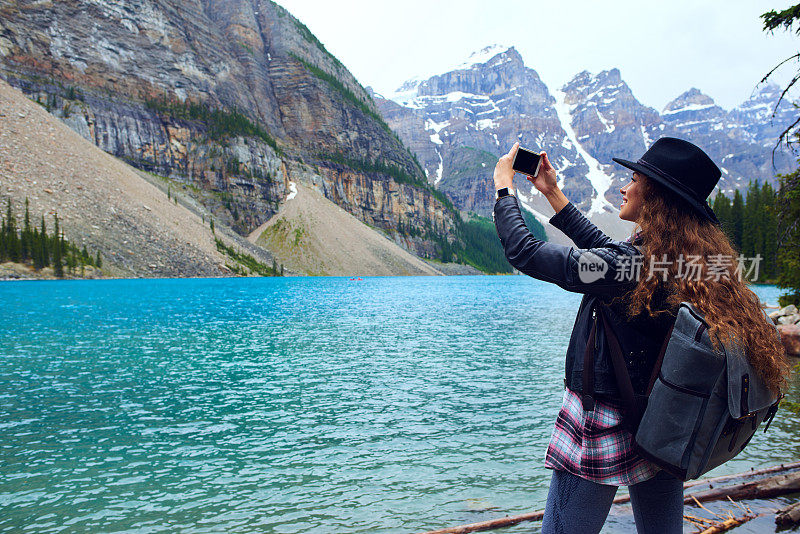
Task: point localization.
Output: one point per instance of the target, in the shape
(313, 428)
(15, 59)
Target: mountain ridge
(597, 118)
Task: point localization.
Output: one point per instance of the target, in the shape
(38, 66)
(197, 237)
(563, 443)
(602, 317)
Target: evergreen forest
(31, 244)
(478, 244)
(751, 223)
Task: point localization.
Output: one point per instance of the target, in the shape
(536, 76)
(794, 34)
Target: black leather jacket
(568, 267)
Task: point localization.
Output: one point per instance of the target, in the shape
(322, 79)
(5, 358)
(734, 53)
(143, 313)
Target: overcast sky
(661, 48)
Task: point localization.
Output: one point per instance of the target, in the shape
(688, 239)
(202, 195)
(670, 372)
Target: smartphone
(527, 162)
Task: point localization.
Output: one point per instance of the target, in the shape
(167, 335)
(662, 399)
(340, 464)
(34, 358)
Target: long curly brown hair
(669, 226)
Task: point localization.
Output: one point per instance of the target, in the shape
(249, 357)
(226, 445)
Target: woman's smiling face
(631, 198)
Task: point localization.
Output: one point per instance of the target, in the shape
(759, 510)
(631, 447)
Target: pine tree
(36, 250)
(98, 262)
(751, 230)
(63, 244)
(3, 247)
(770, 231)
(722, 208)
(737, 218)
(25, 244)
(58, 266)
(45, 249)
(72, 260)
(12, 239)
(788, 209)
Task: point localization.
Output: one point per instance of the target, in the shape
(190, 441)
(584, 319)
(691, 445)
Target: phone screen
(526, 162)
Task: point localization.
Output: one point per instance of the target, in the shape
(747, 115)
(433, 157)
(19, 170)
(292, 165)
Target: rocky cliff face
(459, 122)
(233, 96)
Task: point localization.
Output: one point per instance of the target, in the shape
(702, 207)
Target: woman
(677, 252)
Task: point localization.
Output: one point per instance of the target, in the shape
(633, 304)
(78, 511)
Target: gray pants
(576, 505)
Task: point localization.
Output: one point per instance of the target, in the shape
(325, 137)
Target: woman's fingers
(503, 171)
(546, 161)
(511, 154)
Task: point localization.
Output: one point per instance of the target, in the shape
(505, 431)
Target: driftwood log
(787, 482)
(765, 488)
(789, 516)
(491, 524)
(711, 526)
(724, 526)
(711, 482)
(747, 474)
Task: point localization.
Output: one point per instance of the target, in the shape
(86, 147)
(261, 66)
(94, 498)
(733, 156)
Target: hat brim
(700, 207)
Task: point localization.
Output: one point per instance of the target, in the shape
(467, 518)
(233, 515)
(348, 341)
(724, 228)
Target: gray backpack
(702, 406)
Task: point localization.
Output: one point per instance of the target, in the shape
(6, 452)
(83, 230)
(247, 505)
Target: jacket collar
(635, 239)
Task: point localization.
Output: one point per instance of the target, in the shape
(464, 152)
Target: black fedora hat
(682, 168)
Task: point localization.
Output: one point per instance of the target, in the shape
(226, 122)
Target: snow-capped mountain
(740, 141)
(459, 122)
(608, 122)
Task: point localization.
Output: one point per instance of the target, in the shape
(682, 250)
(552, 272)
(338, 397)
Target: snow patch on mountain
(480, 57)
(690, 107)
(440, 169)
(436, 127)
(600, 181)
(647, 140)
(292, 191)
(407, 92)
(609, 127)
(409, 98)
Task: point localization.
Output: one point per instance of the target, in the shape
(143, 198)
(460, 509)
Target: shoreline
(13, 271)
(50, 277)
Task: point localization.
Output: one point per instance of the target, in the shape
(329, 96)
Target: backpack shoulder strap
(618, 361)
(587, 377)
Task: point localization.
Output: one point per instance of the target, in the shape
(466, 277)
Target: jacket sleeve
(583, 232)
(603, 270)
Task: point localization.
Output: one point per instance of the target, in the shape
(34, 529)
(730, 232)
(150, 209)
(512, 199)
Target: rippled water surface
(286, 405)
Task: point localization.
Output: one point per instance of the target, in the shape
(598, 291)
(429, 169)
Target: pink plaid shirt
(594, 445)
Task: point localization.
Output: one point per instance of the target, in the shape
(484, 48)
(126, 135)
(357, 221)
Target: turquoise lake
(289, 405)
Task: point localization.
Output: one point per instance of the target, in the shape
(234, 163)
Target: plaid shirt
(594, 446)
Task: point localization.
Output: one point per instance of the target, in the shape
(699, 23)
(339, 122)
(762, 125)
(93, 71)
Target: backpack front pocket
(670, 422)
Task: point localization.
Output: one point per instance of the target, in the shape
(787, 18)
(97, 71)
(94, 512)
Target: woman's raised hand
(546, 181)
(503, 173)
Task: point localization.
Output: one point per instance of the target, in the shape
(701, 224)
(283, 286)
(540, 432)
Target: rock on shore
(790, 336)
(788, 321)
